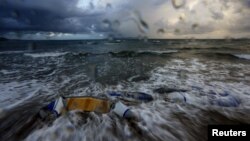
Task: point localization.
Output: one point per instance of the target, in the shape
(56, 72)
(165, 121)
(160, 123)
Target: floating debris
(178, 3)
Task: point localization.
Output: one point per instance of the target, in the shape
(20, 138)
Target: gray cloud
(217, 15)
(46, 15)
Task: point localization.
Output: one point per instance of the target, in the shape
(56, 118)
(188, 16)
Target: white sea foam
(197, 78)
(46, 54)
(159, 51)
(7, 72)
(173, 116)
(14, 93)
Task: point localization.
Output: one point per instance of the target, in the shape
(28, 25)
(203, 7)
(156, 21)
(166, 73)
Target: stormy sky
(96, 19)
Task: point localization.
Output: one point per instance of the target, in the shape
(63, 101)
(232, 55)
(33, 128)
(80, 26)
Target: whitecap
(243, 56)
(11, 52)
(14, 93)
(159, 51)
(6, 72)
(45, 54)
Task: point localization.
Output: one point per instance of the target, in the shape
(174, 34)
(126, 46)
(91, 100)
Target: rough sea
(194, 83)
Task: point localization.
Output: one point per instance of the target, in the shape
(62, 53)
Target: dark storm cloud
(46, 15)
(130, 18)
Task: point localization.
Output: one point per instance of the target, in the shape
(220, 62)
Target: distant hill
(3, 39)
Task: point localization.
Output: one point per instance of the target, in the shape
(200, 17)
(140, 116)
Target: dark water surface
(194, 83)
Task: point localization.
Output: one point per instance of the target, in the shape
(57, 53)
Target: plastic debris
(124, 111)
(86, 104)
(134, 96)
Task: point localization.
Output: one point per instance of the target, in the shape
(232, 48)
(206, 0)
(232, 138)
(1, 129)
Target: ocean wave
(11, 52)
(243, 56)
(159, 51)
(184, 92)
(6, 72)
(139, 53)
(125, 53)
(236, 56)
(157, 120)
(220, 55)
(193, 82)
(45, 54)
(14, 93)
(82, 54)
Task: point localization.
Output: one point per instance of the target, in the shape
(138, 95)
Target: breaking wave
(140, 53)
(190, 91)
(11, 52)
(243, 56)
(114, 54)
(46, 54)
(185, 92)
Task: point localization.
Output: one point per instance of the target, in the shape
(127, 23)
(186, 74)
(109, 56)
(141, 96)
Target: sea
(194, 83)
